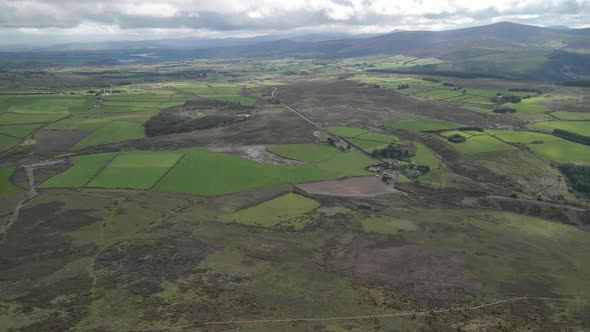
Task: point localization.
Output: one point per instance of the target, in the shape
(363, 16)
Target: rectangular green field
(13, 118)
(284, 210)
(440, 94)
(136, 169)
(347, 131)
(85, 123)
(425, 124)
(562, 151)
(203, 172)
(19, 131)
(582, 127)
(113, 132)
(84, 169)
(524, 137)
(562, 115)
(530, 105)
(47, 104)
(378, 137)
(123, 109)
(367, 145)
(481, 144)
(7, 142)
(142, 104)
(6, 185)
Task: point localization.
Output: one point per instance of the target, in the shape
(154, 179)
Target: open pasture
(565, 115)
(582, 127)
(84, 169)
(47, 104)
(203, 172)
(19, 131)
(287, 210)
(15, 118)
(136, 169)
(423, 125)
(347, 131)
(481, 144)
(6, 185)
(113, 132)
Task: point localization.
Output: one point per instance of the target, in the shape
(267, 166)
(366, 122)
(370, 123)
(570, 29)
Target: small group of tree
(537, 91)
(457, 138)
(374, 86)
(504, 109)
(398, 152)
(403, 86)
(578, 176)
(433, 80)
(413, 171)
(567, 135)
(501, 99)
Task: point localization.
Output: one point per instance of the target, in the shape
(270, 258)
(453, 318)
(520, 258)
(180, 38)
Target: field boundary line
(101, 169)
(167, 171)
(336, 318)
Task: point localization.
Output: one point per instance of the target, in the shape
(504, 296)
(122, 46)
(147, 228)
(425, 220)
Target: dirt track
(397, 314)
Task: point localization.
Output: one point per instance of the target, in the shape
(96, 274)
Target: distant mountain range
(500, 36)
(503, 49)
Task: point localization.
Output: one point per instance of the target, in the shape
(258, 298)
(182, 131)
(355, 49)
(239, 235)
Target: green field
(562, 115)
(286, 210)
(378, 137)
(219, 91)
(19, 131)
(440, 94)
(347, 131)
(113, 132)
(14, 118)
(524, 137)
(6, 142)
(84, 123)
(6, 185)
(562, 151)
(582, 128)
(387, 225)
(203, 172)
(530, 105)
(47, 104)
(84, 169)
(421, 125)
(366, 145)
(136, 169)
(481, 144)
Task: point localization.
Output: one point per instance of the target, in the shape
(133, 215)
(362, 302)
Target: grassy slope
(6, 186)
(115, 131)
(418, 125)
(193, 174)
(85, 167)
(136, 169)
(286, 209)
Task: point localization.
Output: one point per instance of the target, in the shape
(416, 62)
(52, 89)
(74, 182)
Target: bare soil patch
(257, 153)
(357, 186)
(49, 141)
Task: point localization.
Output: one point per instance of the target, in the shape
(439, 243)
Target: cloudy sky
(56, 21)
